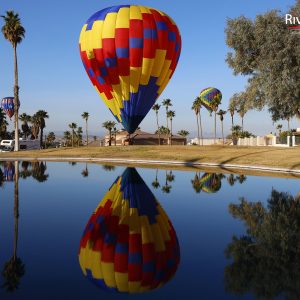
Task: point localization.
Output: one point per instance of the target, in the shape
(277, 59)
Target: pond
(76, 230)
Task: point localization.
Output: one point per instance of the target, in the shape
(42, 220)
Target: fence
(267, 141)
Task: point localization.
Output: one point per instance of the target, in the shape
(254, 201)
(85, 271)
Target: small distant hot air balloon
(9, 171)
(129, 244)
(130, 52)
(211, 98)
(210, 182)
(7, 105)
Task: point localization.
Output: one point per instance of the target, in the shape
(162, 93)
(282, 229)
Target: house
(140, 137)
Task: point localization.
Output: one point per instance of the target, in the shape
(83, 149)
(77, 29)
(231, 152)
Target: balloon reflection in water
(9, 171)
(210, 182)
(129, 244)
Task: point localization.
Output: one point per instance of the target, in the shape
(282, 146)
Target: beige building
(141, 138)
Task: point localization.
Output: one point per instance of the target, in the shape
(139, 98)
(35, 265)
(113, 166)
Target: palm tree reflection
(85, 172)
(170, 177)
(156, 183)
(14, 269)
(266, 260)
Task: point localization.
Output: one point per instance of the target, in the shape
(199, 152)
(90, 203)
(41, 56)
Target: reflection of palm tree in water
(108, 167)
(166, 188)
(266, 260)
(14, 269)
(197, 183)
(156, 183)
(38, 171)
(85, 172)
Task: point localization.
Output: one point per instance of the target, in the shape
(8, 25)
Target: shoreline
(183, 165)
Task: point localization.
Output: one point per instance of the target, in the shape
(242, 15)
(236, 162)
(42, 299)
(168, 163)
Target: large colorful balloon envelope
(7, 105)
(211, 98)
(129, 52)
(210, 182)
(129, 244)
(8, 171)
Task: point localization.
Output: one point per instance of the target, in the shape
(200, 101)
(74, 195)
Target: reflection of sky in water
(53, 216)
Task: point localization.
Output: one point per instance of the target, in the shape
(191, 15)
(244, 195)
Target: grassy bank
(256, 156)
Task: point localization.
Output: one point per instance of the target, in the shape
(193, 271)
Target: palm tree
(221, 113)
(215, 104)
(67, 137)
(14, 32)
(167, 103)
(25, 127)
(183, 133)
(79, 136)
(232, 109)
(85, 117)
(14, 269)
(51, 137)
(41, 116)
(109, 125)
(171, 115)
(35, 128)
(114, 133)
(197, 109)
(279, 127)
(73, 126)
(156, 108)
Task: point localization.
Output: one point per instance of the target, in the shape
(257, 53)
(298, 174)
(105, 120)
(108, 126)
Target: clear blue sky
(51, 75)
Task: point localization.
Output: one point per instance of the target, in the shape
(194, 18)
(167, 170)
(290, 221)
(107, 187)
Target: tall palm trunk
(16, 207)
(215, 127)
(167, 117)
(198, 133)
(158, 128)
(72, 137)
(289, 128)
(109, 142)
(41, 138)
(16, 100)
(201, 127)
(242, 123)
(171, 132)
(86, 132)
(222, 132)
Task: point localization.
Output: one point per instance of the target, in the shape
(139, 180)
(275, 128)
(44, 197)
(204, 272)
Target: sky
(52, 77)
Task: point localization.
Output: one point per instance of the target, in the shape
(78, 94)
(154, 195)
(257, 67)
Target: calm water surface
(72, 231)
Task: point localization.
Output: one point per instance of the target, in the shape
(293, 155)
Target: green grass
(258, 156)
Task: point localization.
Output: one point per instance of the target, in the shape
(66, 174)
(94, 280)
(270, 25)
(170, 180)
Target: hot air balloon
(129, 244)
(7, 105)
(9, 171)
(211, 98)
(210, 182)
(130, 53)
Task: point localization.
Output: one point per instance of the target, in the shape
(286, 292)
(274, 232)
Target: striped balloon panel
(210, 98)
(210, 182)
(7, 105)
(130, 53)
(129, 244)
